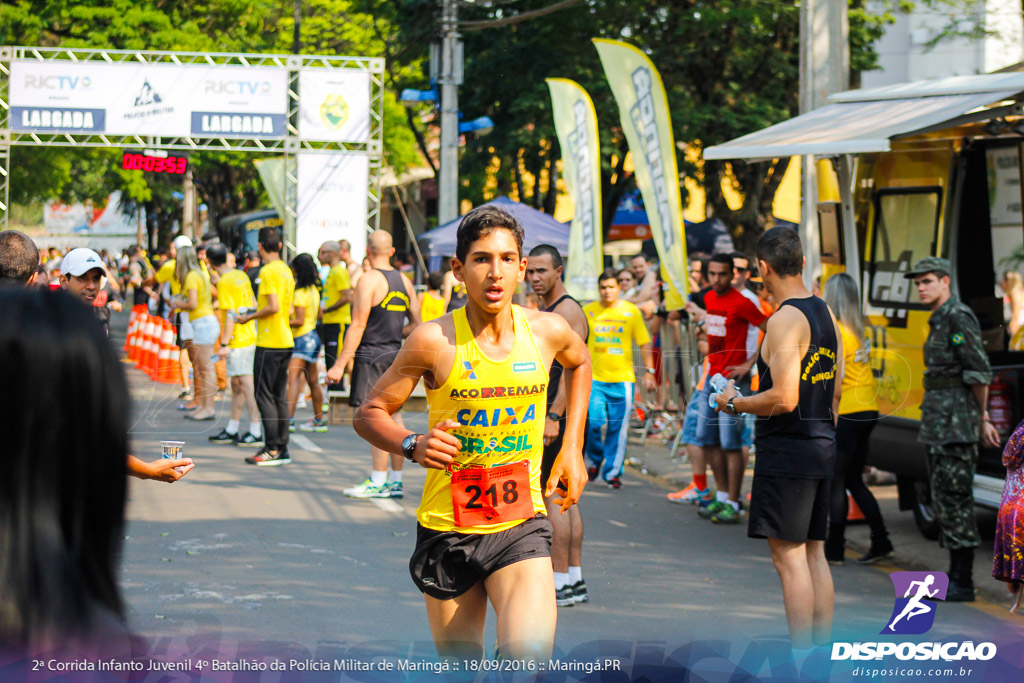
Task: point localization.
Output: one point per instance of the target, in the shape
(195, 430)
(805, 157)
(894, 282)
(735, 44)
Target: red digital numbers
(152, 164)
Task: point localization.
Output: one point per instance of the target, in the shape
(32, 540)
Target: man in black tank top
(796, 446)
(380, 311)
(544, 274)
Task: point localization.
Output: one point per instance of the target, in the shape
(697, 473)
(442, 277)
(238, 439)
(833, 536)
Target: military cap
(930, 264)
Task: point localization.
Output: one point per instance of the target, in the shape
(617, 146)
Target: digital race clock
(133, 161)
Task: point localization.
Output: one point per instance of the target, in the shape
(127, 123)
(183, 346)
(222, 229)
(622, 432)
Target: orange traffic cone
(855, 514)
(133, 347)
(140, 342)
(149, 347)
(133, 325)
(168, 357)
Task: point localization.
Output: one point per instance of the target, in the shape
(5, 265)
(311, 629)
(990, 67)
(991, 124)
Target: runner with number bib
(482, 532)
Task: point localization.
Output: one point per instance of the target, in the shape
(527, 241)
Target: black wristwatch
(409, 446)
(730, 407)
(554, 417)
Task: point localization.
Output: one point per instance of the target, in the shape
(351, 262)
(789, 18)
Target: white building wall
(904, 56)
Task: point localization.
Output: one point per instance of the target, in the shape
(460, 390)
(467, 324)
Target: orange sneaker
(690, 495)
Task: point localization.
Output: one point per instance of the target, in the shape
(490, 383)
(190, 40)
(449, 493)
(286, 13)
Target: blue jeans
(611, 403)
(720, 429)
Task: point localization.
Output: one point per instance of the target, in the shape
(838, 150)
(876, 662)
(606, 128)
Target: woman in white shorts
(195, 298)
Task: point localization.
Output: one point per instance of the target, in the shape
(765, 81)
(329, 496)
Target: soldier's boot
(961, 580)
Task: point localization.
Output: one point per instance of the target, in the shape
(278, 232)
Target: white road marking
(612, 521)
(304, 444)
(387, 505)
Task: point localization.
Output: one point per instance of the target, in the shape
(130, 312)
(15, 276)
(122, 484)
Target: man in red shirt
(728, 320)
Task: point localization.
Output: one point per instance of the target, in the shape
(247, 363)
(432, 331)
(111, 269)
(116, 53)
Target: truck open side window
(905, 229)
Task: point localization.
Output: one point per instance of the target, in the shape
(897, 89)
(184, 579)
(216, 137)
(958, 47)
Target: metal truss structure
(289, 145)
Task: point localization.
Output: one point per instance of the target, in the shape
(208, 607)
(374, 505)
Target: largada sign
(194, 100)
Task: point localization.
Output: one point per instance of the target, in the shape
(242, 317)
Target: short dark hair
(720, 258)
(435, 280)
(19, 258)
(780, 248)
(76, 453)
(739, 254)
(217, 254)
(541, 249)
(270, 239)
(482, 221)
(608, 274)
(640, 255)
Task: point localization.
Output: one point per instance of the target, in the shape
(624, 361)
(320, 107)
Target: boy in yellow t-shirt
(238, 346)
(273, 348)
(432, 303)
(614, 326)
(336, 308)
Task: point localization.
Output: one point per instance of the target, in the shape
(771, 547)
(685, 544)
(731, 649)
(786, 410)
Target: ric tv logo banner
(912, 614)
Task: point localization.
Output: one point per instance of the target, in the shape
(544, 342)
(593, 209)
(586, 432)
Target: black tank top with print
(802, 444)
(383, 334)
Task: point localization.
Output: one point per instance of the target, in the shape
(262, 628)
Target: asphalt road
(243, 560)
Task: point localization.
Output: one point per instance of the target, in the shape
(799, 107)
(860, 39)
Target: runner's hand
(568, 477)
(335, 373)
(437, 449)
(649, 383)
(722, 399)
(550, 432)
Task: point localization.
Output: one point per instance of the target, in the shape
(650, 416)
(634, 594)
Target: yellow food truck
(907, 171)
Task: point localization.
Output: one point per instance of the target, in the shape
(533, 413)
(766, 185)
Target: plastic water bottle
(718, 384)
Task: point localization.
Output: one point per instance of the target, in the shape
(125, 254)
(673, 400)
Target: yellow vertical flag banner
(643, 110)
(576, 125)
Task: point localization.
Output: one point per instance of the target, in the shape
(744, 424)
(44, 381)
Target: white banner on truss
(332, 203)
(334, 104)
(129, 98)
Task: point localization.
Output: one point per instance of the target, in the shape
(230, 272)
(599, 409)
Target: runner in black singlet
(796, 448)
(382, 305)
(544, 274)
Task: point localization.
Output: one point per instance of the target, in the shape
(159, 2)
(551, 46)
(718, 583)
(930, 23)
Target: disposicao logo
(912, 615)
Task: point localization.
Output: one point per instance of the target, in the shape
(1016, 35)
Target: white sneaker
(368, 490)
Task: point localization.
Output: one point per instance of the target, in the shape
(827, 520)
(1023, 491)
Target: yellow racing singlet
(500, 406)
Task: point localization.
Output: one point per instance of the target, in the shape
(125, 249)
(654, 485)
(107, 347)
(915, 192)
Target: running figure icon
(915, 607)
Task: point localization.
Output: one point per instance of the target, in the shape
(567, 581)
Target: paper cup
(173, 450)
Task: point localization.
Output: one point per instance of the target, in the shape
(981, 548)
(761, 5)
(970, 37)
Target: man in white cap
(83, 274)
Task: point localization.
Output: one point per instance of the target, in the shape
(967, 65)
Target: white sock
(721, 497)
(256, 429)
(575, 575)
(395, 476)
(561, 580)
(735, 505)
(378, 478)
(232, 427)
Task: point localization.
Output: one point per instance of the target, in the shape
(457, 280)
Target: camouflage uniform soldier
(953, 417)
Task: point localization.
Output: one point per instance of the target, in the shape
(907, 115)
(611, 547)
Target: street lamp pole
(449, 80)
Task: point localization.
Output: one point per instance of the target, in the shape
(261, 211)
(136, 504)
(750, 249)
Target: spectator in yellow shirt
(273, 348)
(306, 354)
(336, 309)
(195, 298)
(432, 303)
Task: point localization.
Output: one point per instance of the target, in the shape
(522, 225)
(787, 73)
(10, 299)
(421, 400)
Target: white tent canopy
(860, 121)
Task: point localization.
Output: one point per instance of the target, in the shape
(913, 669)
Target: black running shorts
(446, 564)
(789, 509)
(365, 374)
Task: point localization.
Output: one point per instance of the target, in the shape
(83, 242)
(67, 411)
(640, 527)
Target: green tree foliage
(730, 67)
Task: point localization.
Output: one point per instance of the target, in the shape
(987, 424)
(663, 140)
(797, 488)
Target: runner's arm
(787, 335)
(354, 333)
(373, 419)
(568, 473)
(573, 314)
(414, 309)
(298, 316)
